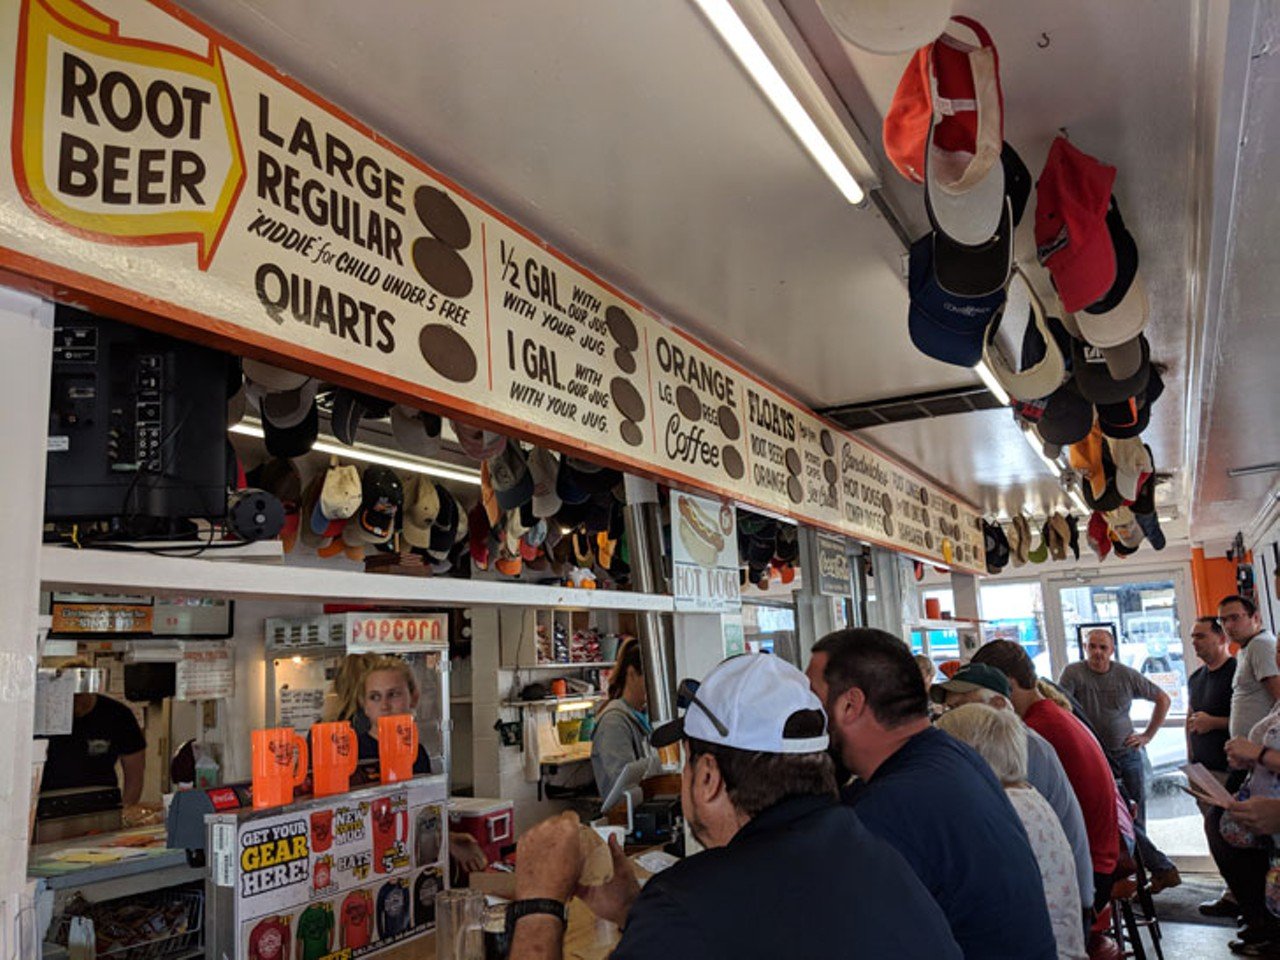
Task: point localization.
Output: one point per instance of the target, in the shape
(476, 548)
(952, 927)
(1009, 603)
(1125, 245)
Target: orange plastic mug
(279, 765)
(397, 747)
(334, 757)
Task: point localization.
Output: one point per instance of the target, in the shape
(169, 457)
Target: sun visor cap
(943, 325)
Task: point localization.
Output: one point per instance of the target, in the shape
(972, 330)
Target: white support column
(26, 350)
(964, 593)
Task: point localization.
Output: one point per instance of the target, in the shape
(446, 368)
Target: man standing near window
(1106, 689)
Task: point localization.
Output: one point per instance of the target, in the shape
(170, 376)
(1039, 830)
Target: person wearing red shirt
(1081, 755)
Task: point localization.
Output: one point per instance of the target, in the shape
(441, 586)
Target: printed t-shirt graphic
(270, 939)
(424, 897)
(388, 828)
(357, 919)
(315, 931)
(393, 909)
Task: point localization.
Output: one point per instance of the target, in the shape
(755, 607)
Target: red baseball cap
(1072, 239)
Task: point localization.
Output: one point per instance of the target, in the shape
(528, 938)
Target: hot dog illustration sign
(704, 553)
(160, 171)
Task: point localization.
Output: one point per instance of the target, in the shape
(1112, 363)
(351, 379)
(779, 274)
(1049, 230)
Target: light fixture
(574, 705)
(989, 380)
(1252, 470)
(367, 454)
(767, 76)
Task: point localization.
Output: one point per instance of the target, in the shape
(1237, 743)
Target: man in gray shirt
(1106, 690)
(1256, 685)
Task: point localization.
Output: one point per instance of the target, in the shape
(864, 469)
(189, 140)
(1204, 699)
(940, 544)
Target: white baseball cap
(887, 26)
(745, 703)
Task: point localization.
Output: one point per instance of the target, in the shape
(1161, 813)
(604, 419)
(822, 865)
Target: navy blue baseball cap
(943, 325)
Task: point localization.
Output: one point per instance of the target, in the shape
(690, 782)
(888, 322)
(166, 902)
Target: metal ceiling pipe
(657, 647)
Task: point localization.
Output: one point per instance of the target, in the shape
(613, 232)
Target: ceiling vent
(919, 406)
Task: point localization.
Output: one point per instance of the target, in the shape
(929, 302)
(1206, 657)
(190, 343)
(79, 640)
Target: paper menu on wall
(55, 695)
(1206, 786)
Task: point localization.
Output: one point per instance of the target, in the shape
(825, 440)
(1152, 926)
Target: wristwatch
(524, 908)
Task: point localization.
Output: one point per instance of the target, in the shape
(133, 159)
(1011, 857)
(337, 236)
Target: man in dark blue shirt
(933, 798)
(788, 871)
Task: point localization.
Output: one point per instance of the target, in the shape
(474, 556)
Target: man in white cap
(787, 871)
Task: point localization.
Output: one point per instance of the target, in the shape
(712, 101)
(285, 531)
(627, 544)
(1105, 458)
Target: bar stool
(1126, 922)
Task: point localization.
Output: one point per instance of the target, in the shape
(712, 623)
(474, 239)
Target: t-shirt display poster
(159, 166)
(340, 878)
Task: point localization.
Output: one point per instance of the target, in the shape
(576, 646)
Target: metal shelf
(565, 666)
(63, 568)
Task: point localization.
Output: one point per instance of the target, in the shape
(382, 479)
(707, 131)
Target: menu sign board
(347, 877)
(274, 222)
(205, 672)
(704, 555)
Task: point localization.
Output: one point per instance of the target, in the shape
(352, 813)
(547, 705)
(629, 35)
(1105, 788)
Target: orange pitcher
(334, 756)
(397, 747)
(279, 765)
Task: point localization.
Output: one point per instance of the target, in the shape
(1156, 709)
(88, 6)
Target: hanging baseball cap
(1093, 374)
(1019, 349)
(1115, 321)
(1128, 418)
(340, 495)
(1067, 417)
(1098, 535)
(974, 271)
(421, 505)
(749, 702)
(954, 85)
(272, 379)
(1150, 525)
(288, 408)
(887, 26)
(476, 443)
(416, 431)
(295, 440)
(350, 407)
(509, 473)
(544, 467)
(1073, 196)
(380, 503)
(444, 529)
(996, 546)
(1124, 527)
(943, 325)
(1133, 464)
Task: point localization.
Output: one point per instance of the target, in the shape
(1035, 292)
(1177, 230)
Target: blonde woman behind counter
(622, 726)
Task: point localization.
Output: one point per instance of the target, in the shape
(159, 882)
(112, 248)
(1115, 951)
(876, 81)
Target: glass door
(1150, 615)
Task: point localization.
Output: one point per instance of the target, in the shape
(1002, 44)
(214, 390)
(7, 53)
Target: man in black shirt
(787, 871)
(103, 733)
(1210, 693)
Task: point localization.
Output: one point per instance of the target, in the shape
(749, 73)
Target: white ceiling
(627, 135)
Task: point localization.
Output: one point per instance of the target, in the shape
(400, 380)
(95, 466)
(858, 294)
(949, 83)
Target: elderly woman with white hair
(1001, 739)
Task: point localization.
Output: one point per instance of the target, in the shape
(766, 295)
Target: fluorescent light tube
(989, 380)
(757, 63)
(367, 454)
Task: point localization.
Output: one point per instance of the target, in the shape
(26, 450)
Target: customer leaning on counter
(787, 871)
